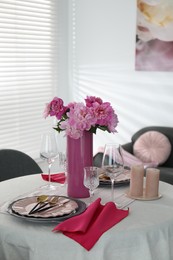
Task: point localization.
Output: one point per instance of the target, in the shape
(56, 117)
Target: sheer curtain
(28, 71)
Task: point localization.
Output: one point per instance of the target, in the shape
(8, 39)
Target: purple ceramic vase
(79, 155)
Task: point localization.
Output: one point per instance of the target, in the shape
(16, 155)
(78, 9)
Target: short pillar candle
(136, 181)
(152, 183)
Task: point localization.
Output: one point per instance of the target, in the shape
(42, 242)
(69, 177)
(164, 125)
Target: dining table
(145, 234)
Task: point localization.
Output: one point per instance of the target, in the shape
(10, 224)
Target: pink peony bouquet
(78, 117)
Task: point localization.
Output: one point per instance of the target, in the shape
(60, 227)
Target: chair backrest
(15, 163)
(97, 159)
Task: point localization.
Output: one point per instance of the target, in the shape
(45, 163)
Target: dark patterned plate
(123, 179)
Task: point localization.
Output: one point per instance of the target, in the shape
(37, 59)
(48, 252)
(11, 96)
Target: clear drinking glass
(112, 163)
(91, 179)
(63, 165)
(49, 152)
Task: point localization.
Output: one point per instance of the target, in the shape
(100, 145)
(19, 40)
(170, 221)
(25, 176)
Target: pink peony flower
(91, 100)
(75, 118)
(80, 118)
(105, 116)
(57, 108)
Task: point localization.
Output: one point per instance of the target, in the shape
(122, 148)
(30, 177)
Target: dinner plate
(71, 207)
(123, 179)
(116, 183)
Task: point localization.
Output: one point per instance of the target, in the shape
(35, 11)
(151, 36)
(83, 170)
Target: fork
(49, 207)
(51, 201)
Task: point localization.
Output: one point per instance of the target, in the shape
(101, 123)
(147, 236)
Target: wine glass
(49, 152)
(112, 163)
(91, 179)
(63, 165)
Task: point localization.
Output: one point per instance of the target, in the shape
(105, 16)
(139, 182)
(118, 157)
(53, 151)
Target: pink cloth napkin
(57, 177)
(87, 228)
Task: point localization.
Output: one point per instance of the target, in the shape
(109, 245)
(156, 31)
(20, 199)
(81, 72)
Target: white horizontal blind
(27, 71)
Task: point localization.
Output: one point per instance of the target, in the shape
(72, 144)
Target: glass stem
(91, 195)
(112, 190)
(49, 176)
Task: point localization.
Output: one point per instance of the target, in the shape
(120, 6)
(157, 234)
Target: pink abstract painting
(154, 35)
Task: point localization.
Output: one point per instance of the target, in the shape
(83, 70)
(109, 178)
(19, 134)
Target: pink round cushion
(152, 146)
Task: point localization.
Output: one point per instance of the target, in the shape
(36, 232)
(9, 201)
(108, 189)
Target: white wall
(102, 44)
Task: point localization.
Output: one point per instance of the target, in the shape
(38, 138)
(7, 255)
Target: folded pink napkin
(87, 228)
(57, 177)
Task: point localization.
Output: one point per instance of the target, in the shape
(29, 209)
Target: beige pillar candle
(136, 181)
(152, 183)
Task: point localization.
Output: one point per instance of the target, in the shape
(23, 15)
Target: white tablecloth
(146, 234)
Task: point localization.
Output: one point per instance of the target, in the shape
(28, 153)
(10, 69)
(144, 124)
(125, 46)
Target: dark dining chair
(14, 163)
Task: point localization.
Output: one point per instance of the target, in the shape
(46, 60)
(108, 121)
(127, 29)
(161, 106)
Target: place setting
(123, 179)
(46, 208)
(113, 172)
(48, 203)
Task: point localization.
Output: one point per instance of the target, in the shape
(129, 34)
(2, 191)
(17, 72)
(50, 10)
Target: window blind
(27, 71)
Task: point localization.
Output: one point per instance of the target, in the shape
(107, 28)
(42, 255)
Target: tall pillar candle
(152, 183)
(136, 181)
